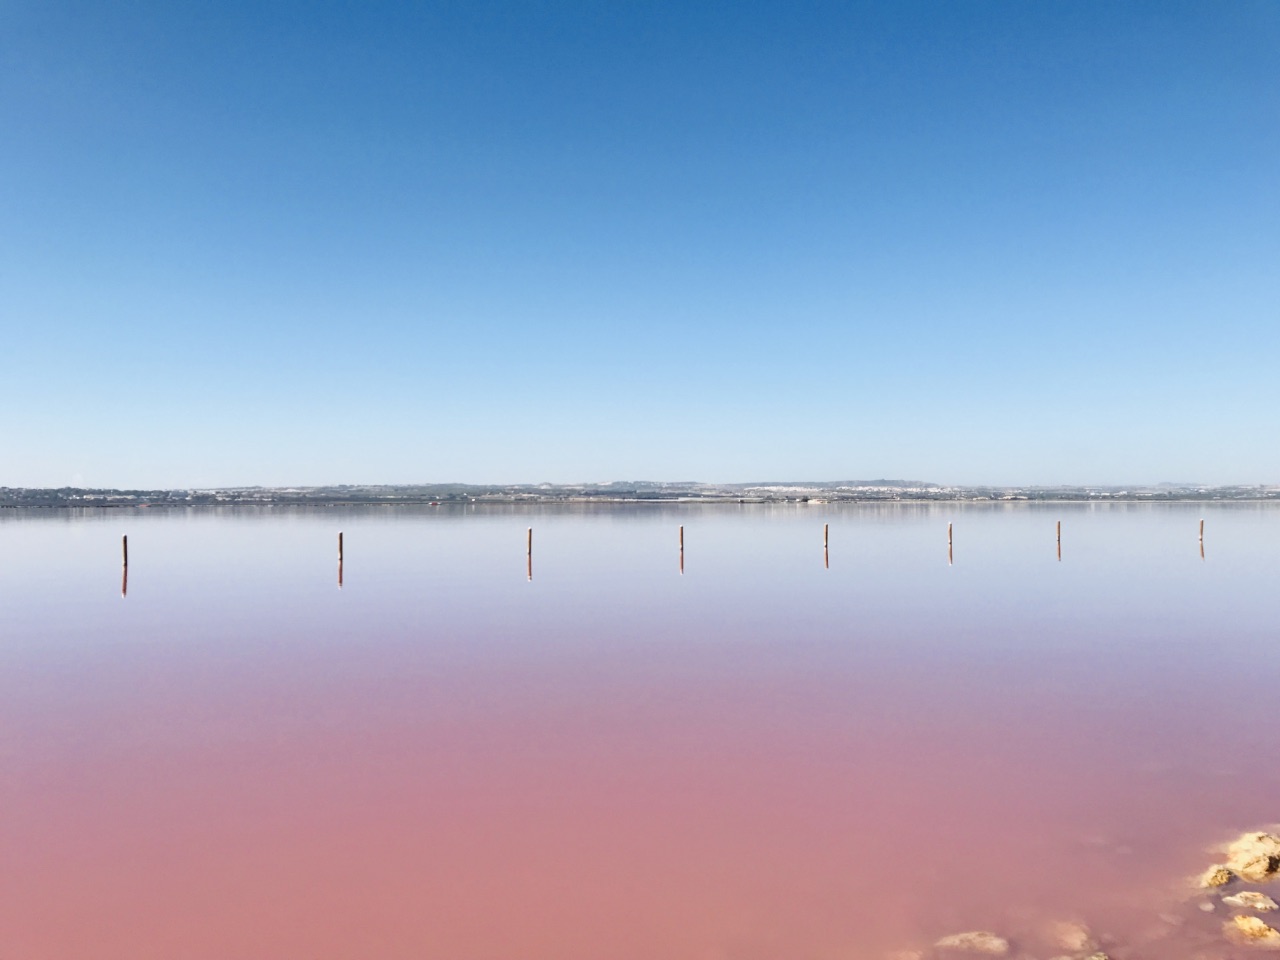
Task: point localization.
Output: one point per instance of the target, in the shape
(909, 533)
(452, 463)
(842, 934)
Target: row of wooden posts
(826, 558)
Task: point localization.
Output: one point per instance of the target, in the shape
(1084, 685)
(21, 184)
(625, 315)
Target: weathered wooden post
(528, 555)
(339, 559)
(1202, 530)
(682, 549)
(124, 565)
(825, 538)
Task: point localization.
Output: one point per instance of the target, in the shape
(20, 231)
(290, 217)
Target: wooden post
(1202, 531)
(825, 539)
(124, 549)
(948, 533)
(1059, 531)
(529, 543)
(339, 559)
(682, 538)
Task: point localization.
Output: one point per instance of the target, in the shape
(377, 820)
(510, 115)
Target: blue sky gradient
(316, 242)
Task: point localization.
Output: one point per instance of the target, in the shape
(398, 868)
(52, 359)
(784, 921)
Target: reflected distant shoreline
(675, 511)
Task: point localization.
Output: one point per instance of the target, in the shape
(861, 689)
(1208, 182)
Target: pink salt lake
(761, 758)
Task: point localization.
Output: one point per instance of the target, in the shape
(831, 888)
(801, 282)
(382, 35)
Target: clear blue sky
(957, 241)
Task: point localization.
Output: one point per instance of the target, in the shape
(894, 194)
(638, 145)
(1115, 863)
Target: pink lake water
(762, 757)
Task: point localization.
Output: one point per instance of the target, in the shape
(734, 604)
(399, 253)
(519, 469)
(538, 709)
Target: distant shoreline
(445, 495)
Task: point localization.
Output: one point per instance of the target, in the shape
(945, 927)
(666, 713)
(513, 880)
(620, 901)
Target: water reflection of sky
(761, 755)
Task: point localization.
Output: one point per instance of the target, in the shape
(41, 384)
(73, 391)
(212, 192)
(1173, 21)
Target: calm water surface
(762, 757)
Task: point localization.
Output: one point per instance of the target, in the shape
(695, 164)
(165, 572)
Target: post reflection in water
(124, 580)
(826, 558)
(528, 566)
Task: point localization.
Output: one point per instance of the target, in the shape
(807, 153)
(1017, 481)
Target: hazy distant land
(621, 491)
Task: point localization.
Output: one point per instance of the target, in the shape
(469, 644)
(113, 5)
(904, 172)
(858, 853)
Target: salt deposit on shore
(1187, 928)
